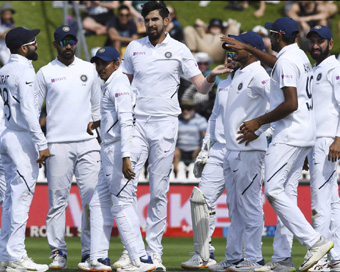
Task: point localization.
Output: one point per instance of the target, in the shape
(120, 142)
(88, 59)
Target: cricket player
(323, 158)
(71, 89)
(154, 65)
(292, 117)
(209, 165)
(116, 171)
(247, 99)
(23, 148)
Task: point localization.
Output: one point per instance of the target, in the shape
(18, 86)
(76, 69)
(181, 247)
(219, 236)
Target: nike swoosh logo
(235, 170)
(30, 82)
(108, 175)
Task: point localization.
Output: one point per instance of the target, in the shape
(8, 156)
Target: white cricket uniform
(326, 102)
(2, 172)
(247, 99)
(212, 182)
(72, 95)
(156, 74)
(19, 145)
(116, 132)
(292, 139)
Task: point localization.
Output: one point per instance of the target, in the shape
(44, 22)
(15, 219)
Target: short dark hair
(288, 40)
(155, 5)
(123, 7)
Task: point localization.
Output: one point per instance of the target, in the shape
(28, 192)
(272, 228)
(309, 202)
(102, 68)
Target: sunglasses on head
(67, 42)
(32, 42)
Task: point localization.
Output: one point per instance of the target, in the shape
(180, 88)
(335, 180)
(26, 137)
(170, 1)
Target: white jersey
(116, 111)
(72, 95)
(248, 96)
(156, 74)
(215, 129)
(326, 97)
(293, 69)
(2, 119)
(20, 107)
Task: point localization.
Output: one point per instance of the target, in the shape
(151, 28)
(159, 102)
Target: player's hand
(334, 150)
(127, 169)
(249, 126)
(246, 137)
(233, 44)
(92, 126)
(221, 69)
(200, 162)
(43, 155)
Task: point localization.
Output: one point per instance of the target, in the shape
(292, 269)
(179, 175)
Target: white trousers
(212, 184)
(155, 140)
(19, 156)
(243, 175)
(283, 164)
(325, 194)
(114, 197)
(81, 159)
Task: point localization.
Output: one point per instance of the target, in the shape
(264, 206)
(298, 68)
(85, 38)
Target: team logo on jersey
(240, 86)
(83, 78)
(66, 29)
(319, 77)
(168, 55)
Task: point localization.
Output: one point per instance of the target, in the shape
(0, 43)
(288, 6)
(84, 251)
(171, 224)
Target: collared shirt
(293, 69)
(116, 111)
(326, 97)
(156, 74)
(215, 129)
(72, 95)
(248, 96)
(20, 107)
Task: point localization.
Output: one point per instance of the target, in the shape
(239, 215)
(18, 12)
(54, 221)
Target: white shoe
(26, 264)
(144, 267)
(3, 266)
(285, 265)
(59, 260)
(316, 252)
(245, 266)
(221, 266)
(124, 260)
(95, 265)
(321, 265)
(196, 262)
(334, 265)
(157, 261)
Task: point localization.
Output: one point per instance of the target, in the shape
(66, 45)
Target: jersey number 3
(7, 109)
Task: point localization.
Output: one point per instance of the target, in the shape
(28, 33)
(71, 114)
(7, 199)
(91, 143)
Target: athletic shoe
(223, 266)
(285, 265)
(124, 260)
(96, 265)
(157, 261)
(59, 260)
(316, 252)
(26, 264)
(334, 265)
(144, 267)
(3, 266)
(321, 265)
(196, 262)
(246, 266)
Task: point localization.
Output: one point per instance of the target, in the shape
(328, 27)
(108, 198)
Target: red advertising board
(179, 216)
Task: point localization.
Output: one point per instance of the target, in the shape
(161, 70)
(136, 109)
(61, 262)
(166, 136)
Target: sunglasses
(34, 42)
(67, 42)
(277, 32)
(187, 108)
(124, 14)
(231, 55)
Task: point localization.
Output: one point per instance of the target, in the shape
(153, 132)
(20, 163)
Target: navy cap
(252, 38)
(18, 36)
(285, 25)
(63, 31)
(322, 30)
(106, 53)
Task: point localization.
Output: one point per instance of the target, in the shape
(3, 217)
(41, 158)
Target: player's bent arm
(289, 105)
(40, 89)
(95, 97)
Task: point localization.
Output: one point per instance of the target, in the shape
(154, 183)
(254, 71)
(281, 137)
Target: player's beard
(32, 54)
(155, 36)
(62, 53)
(323, 54)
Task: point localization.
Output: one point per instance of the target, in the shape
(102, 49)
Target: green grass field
(176, 250)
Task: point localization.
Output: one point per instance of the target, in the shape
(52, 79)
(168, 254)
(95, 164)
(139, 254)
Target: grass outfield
(176, 250)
